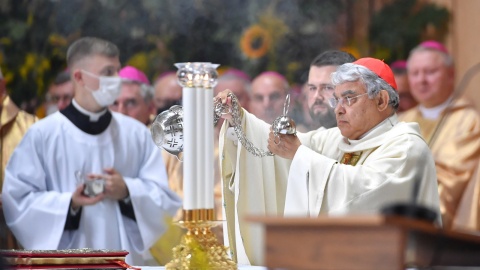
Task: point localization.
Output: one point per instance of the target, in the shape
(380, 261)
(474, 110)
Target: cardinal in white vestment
(369, 161)
(44, 197)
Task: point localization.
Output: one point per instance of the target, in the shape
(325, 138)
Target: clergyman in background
(269, 90)
(407, 101)
(136, 95)
(319, 88)
(450, 125)
(14, 124)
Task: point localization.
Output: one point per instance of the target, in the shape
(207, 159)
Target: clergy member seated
(450, 124)
(369, 161)
(47, 207)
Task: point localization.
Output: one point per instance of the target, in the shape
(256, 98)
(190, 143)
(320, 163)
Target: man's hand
(115, 187)
(79, 199)
(283, 145)
(226, 101)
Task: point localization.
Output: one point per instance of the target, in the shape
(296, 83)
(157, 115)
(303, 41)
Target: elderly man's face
(431, 82)
(131, 103)
(361, 115)
(268, 97)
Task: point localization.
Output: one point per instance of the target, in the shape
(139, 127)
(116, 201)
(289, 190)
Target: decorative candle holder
(199, 248)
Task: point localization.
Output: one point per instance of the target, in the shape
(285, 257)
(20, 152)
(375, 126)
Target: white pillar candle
(190, 189)
(198, 132)
(200, 147)
(209, 149)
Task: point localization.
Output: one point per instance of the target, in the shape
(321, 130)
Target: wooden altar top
(364, 242)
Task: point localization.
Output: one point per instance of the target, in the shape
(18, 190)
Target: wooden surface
(366, 242)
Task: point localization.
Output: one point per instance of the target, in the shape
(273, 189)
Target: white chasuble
(386, 163)
(381, 169)
(251, 186)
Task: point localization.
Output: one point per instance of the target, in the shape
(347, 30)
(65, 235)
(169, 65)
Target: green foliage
(153, 35)
(403, 24)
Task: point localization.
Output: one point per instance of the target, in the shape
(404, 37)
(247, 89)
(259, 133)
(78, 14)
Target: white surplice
(40, 180)
(391, 156)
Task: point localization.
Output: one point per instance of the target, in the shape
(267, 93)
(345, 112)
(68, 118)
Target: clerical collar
(88, 122)
(434, 113)
(93, 116)
(392, 120)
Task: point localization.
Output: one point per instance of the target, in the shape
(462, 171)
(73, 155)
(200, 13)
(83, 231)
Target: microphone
(412, 209)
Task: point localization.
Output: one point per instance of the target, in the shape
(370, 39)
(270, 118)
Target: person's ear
(77, 76)
(382, 100)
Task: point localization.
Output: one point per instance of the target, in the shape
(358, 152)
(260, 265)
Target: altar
(246, 267)
(365, 243)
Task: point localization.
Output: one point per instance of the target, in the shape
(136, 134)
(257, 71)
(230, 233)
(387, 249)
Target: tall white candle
(198, 80)
(190, 189)
(200, 145)
(209, 149)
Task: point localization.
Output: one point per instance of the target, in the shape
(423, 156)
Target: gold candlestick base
(199, 248)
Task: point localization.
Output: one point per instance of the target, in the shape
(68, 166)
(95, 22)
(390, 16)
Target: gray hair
(350, 72)
(62, 78)
(447, 58)
(146, 91)
(89, 46)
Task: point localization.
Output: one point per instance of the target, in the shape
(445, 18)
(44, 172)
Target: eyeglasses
(333, 102)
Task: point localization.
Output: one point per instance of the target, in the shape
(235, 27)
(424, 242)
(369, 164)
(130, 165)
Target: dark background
(154, 34)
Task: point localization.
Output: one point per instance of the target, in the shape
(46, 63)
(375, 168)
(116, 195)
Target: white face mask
(108, 89)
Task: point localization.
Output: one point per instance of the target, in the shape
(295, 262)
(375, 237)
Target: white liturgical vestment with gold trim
(381, 169)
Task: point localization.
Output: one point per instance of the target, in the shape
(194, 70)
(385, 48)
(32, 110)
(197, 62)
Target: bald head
(430, 73)
(240, 87)
(167, 92)
(269, 90)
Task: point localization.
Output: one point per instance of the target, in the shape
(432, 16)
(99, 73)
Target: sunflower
(255, 42)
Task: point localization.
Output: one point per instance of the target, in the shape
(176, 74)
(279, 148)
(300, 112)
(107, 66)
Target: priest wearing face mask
(45, 200)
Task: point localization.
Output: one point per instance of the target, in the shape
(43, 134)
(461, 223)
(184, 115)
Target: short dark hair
(62, 78)
(332, 58)
(89, 46)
